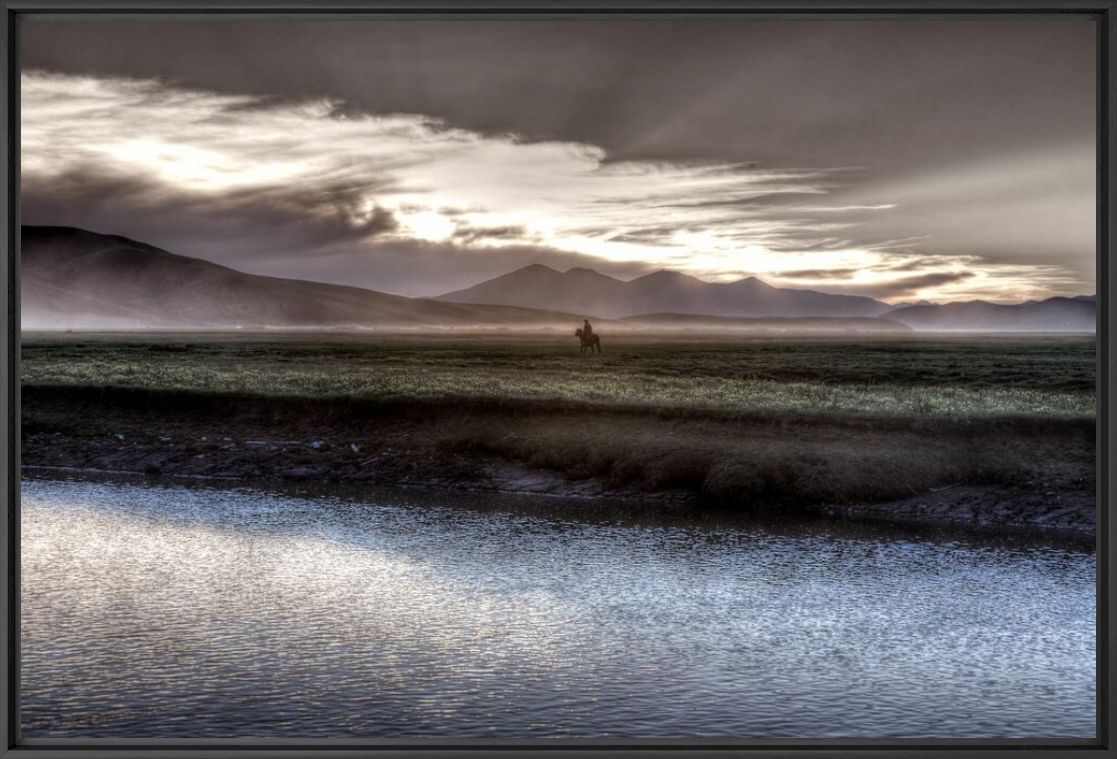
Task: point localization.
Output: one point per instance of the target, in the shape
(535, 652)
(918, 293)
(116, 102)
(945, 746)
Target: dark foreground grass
(743, 464)
(739, 424)
(739, 462)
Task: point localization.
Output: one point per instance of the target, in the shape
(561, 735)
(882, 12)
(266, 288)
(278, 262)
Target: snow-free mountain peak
(662, 291)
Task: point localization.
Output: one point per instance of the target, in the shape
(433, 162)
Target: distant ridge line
(74, 278)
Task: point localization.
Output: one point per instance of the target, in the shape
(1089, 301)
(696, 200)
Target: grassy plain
(864, 377)
(772, 421)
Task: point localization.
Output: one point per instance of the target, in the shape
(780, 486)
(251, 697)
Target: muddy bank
(288, 443)
(1030, 474)
(1068, 511)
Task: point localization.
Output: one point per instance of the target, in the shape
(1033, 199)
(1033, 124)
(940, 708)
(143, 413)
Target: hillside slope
(73, 278)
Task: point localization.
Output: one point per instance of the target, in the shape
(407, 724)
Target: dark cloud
(250, 227)
(816, 274)
(468, 235)
(980, 131)
(903, 287)
(776, 92)
(647, 235)
(911, 264)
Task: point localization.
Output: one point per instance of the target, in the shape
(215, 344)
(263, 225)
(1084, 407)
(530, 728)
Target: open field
(733, 423)
(865, 377)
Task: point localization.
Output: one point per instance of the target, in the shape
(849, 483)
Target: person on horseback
(589, 339)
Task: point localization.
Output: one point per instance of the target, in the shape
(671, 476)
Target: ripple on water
(160, 611)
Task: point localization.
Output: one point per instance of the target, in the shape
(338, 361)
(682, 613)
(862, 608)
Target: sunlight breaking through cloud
(371, 179)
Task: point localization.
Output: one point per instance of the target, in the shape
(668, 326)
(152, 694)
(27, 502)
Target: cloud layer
(316, 189)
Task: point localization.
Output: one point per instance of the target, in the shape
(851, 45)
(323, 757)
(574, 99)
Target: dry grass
(757, 422)
(908, 378)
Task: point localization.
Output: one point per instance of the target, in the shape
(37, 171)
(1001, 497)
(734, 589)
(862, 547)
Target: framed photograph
(403, 378)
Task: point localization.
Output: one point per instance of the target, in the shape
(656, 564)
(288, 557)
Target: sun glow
(427, 225)
(197, 168)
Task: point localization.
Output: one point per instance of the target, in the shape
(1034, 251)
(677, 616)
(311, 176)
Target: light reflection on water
(166, 611)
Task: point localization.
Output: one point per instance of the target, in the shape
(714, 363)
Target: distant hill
(1077, 314)
(730, 324)
(585, 291)
(73, 278)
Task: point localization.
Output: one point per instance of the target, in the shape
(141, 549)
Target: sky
(902, 159)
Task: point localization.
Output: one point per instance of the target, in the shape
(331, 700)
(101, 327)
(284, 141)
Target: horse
(590, 341)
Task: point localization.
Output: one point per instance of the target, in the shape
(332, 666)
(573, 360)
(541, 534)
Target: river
(171, 611)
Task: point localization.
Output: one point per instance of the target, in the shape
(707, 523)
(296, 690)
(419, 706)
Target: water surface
(174, 611)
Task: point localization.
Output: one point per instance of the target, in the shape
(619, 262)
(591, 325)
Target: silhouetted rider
(587, 330)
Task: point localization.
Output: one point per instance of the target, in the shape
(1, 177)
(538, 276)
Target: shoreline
(912, 514)
(188, 450)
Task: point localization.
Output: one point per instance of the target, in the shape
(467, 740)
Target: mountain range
(666, 297)
(1077, 314)
(585, 291)
(76, 279)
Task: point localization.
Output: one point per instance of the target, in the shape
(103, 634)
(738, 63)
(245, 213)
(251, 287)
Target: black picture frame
(14, 11)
